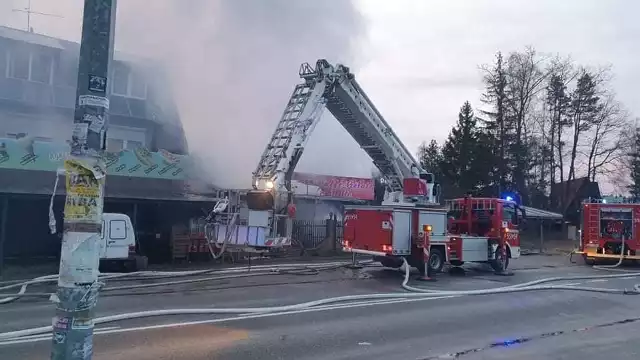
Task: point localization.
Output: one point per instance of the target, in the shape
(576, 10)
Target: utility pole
(85, 174)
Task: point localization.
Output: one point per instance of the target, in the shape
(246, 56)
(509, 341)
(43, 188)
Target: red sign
(335, 186)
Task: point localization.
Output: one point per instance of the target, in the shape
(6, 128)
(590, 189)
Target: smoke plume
(232, 65)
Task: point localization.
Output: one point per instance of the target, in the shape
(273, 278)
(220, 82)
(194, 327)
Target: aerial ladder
(334, 88)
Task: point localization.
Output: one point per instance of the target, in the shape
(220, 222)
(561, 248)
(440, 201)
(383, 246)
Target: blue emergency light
(511, 197)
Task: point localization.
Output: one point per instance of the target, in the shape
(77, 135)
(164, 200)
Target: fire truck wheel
(589, 261)
(500, 261)
(436, 260)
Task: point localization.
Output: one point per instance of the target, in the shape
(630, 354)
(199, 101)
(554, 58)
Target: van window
(117, 229)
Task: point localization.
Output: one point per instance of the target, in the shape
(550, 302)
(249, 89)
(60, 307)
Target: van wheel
(436, 260)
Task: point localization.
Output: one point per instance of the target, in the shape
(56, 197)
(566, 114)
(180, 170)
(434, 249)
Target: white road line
(628, 278)
(570, 284)
(103, 331)
(597, 280)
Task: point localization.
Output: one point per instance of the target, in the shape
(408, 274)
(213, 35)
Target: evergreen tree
(430, 157)
(464, 163)
(557, 101)
(585, 105)
(634, 155)
(497, 125)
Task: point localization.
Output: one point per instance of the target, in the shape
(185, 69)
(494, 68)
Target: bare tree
(525, 80)
(561, 73)
(604, 144)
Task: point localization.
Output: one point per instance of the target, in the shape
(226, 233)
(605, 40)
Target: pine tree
(462, 165)
(557, 101)
(498, 124)
(585, 104)
(634, 155)
(430, 157)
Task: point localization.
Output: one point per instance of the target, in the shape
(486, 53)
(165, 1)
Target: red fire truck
(605, 224)
(470, 230)
(483, 230)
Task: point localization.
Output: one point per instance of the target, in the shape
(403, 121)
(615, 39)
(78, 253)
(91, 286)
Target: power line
(29, 12)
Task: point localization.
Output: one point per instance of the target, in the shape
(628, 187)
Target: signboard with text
(26, 154)
(333, 186)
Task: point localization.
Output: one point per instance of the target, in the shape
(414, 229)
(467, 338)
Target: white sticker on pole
(92, 100)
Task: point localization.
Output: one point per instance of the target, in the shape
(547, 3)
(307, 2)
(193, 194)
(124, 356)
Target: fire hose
(256, 270)
(414, 292)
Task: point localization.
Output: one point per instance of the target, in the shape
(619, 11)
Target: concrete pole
(85, 171)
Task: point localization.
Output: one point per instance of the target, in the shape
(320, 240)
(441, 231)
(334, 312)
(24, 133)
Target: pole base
(354, 266)
(426, 279)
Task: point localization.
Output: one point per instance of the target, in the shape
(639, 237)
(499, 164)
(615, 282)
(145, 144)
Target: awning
(533, 213)
(36, 182)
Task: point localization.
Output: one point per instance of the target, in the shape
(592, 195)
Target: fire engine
(470, 230)
(607, 224)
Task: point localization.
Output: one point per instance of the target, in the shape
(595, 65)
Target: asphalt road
(531, 325)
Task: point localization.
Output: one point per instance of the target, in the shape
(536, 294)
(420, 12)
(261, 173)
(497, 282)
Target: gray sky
(417, 59)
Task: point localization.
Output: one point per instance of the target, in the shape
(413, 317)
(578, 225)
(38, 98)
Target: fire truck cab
(605, 225)
(483, 230)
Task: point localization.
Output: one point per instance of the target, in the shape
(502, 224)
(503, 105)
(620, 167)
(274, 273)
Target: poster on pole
(83, 194)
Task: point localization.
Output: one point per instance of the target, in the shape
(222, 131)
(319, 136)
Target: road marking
(570, 284)
(628, 278)
(597, 280)
(43, 337)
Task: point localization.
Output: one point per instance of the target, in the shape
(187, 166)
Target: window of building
(18, 64)
(29, 65)
(115, 145)
(128, 83)
(138, 86)
(41, 67)
(120, 80)
(132, 144)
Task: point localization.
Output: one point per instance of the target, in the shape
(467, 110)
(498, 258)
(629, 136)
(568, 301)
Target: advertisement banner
(333, 186)
(27, 154)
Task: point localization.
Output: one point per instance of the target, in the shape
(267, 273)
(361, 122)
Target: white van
(118, 245)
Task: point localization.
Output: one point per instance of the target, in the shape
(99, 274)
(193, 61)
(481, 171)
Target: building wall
(38, 79)
(317, 209)
(37, 95)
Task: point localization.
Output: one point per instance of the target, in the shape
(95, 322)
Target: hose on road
(239, 272)
(413, 293)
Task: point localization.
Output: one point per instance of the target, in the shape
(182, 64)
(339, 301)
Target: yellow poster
(83, 194)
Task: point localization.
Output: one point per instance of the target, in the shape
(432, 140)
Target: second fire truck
(607, 225)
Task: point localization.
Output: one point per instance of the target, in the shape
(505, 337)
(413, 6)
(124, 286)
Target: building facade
(145, 143)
